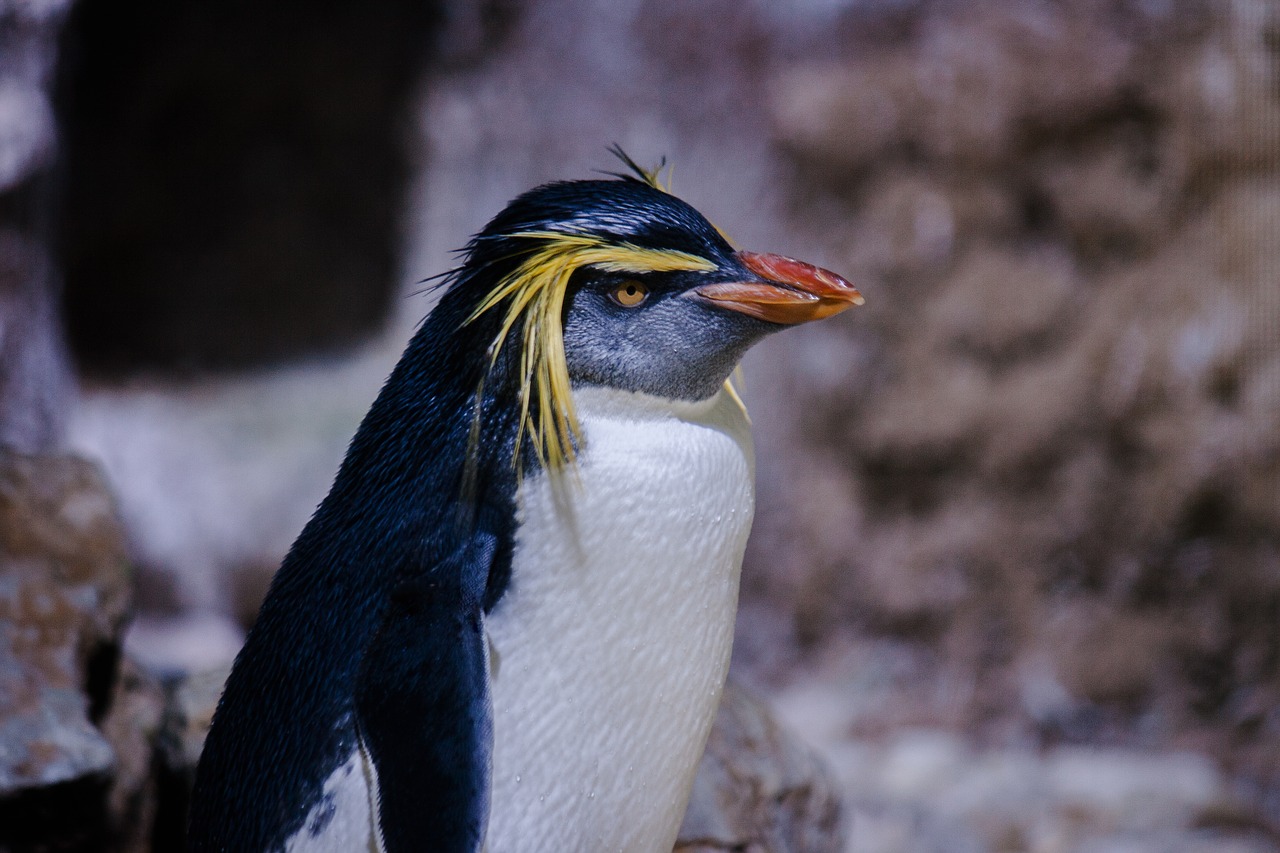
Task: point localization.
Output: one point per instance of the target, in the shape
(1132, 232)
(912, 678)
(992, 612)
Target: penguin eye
(629, 294)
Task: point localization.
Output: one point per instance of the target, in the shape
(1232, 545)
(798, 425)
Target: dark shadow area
(70, 816)
(232, 176)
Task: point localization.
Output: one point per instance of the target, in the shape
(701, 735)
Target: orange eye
(630, 294)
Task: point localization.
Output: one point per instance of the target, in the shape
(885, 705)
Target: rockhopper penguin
(508, 625)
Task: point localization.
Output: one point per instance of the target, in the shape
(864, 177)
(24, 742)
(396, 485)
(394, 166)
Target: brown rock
(62, 605)
(131, 726)
(998, 302)
(187, 717)
(74, 739)
(1109, 657)
(759, 790)
(969, 91)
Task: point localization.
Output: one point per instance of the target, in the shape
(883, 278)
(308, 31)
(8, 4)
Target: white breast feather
(613, 638)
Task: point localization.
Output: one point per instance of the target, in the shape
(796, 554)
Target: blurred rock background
(1016, 564)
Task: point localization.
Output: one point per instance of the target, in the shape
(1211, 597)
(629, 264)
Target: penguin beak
(787, 291)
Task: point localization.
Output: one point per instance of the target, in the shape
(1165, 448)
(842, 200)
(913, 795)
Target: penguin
(508, 625)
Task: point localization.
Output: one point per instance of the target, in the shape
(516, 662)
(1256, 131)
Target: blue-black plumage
(390, 545)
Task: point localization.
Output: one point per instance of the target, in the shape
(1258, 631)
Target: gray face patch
(671, 346)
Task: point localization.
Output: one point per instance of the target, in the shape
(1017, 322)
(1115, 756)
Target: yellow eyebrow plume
(534, 295)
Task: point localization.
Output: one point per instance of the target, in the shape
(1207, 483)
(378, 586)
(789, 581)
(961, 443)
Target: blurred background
(1015, 571)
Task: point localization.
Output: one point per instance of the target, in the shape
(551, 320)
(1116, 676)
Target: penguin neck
(601, 401)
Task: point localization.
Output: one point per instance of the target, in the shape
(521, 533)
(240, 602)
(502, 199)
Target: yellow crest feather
(534, 295)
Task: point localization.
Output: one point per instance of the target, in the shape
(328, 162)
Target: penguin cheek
(692, 352)
(671, 347)
(597, 346)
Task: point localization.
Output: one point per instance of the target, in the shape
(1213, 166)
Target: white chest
(612, 642)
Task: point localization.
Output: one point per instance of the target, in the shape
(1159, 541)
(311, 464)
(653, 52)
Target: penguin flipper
(423, 711)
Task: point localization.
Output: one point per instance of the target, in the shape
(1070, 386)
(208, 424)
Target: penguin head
(619, 283)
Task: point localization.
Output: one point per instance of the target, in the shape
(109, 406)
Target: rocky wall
(1044, 463)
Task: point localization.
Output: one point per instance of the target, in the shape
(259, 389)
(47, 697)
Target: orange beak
(789, 291)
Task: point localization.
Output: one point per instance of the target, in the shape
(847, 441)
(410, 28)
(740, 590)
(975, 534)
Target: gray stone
(63, 598)
(759, 789)
(77, 725)
(188, 714)
(131, 725)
